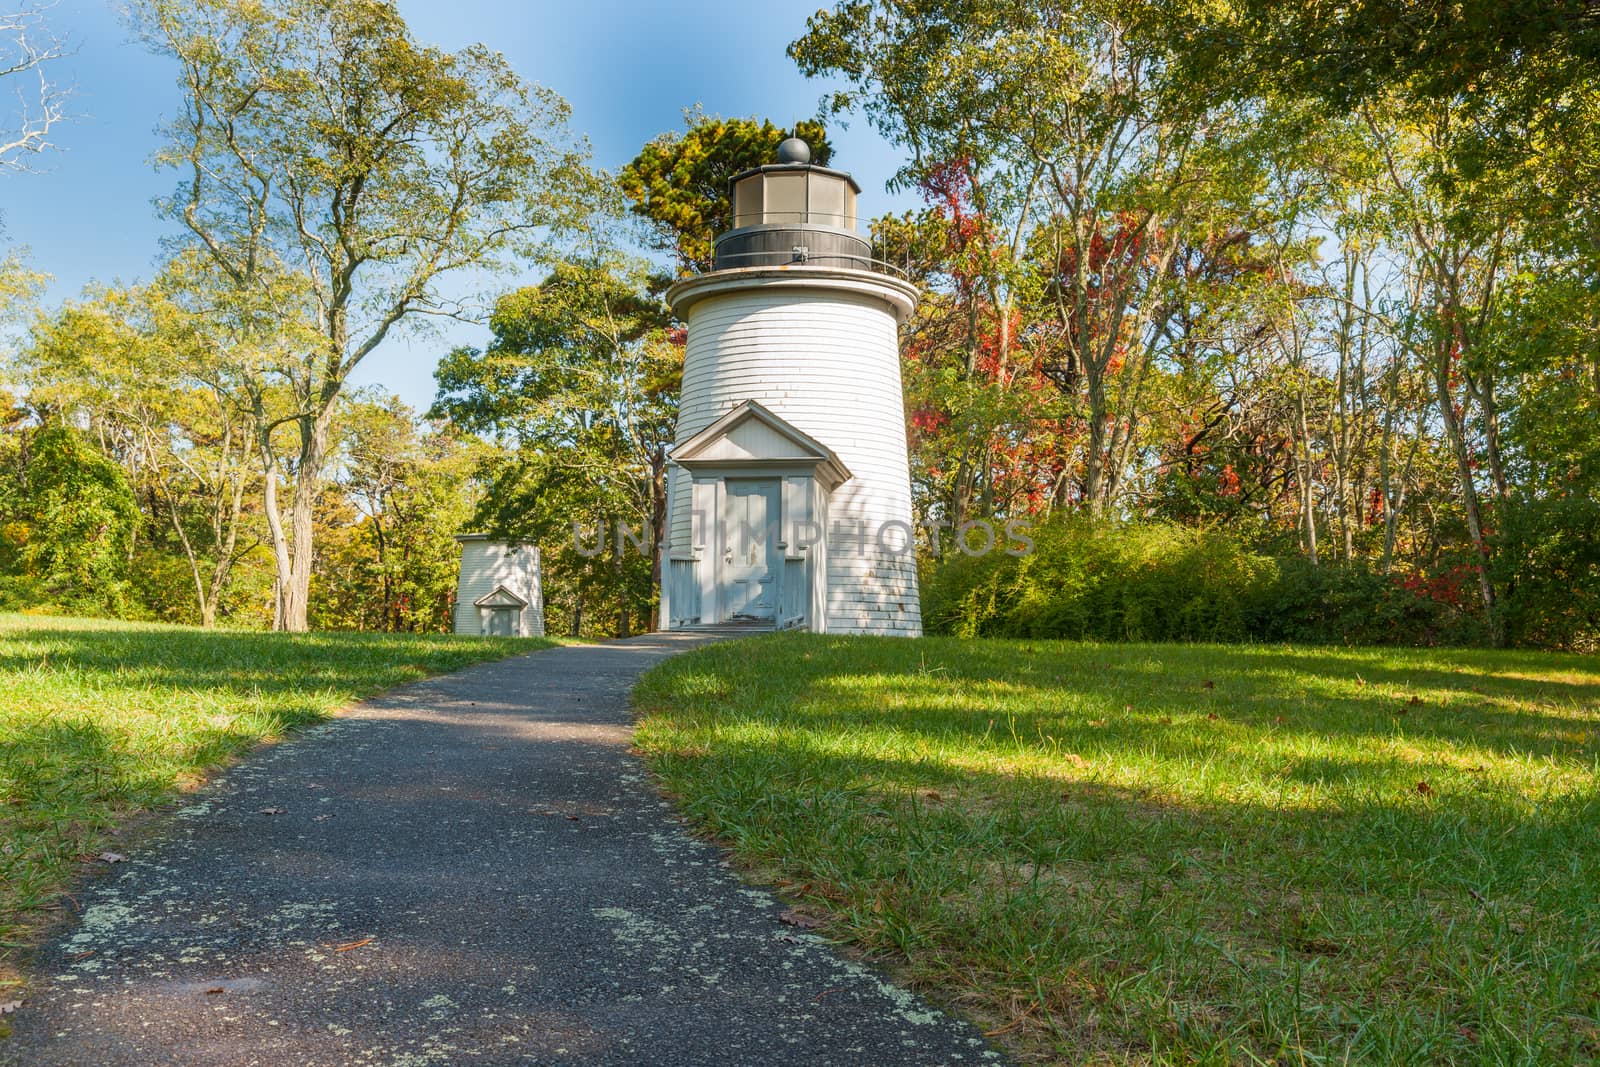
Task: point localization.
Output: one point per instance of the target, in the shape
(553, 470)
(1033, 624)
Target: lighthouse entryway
(750, 554)
(750, 499)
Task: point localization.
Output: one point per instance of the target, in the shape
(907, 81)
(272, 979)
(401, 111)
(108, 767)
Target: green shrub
(1151, 582)
(1163, 582)
(1355, 604)
(1548, 567)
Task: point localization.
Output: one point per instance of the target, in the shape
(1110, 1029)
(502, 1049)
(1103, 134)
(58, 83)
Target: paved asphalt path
(468, 870)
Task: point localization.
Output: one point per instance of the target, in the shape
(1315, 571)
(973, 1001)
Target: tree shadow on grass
(67, 782)
(1054, 889)
(109, 720)
(1187, 702)
(199, 660)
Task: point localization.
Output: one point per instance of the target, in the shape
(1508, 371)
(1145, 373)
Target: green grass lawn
(1174, 854)
(100, 719)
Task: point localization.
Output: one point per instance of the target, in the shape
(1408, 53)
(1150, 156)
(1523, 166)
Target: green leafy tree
(406, 490)
(678, 183)
(335, 173)
(71, 522)
(1087, 189)
(1357, 52)
(581, 380)
(150, 380)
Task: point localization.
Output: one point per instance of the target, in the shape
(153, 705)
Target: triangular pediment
(750, 435)
(500, 598)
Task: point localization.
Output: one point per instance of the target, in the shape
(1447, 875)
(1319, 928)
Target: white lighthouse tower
(789, 494)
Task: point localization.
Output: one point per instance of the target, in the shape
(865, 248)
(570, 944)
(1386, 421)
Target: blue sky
(628, 69)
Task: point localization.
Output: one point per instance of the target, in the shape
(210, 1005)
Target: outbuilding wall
(486, 564)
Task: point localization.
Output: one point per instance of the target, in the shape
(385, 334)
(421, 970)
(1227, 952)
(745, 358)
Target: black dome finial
(794, 150)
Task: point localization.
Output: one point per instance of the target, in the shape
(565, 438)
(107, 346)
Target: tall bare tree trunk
(275, 531)
(1308, 507)
(1456, 437)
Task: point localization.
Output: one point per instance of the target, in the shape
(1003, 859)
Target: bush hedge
(1161, 582)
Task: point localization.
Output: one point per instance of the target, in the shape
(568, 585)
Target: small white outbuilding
(499, 591)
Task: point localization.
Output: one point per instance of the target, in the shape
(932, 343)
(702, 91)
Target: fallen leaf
(1074, 759)
(1211, 715)
(273, 811)
(82, 955)
(822, 994)
(320, 818)
(1425, 789)
(796, 918)
(1278, 719)
(10, 1006)
(214, 990)
(348, 945)
(931, 794)
(111, 857)
(1208, 684)
(1097, 722)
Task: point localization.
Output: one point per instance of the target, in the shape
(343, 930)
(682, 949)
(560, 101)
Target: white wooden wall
(486, 564)
(828, 363)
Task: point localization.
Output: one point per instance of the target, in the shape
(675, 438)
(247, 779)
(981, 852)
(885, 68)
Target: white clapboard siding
(825, 360)
(487, 565)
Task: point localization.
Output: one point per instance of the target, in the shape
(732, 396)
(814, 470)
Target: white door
(749, 575)
(503, 622)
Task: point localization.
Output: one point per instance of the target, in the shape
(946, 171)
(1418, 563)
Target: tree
(27, 51)
(70, 521)
(679, 183)
(409, 489)
(1088, 188)
(150, 380)
(338, 173)
(1358, 52)
(1521, 79)
(582, 379)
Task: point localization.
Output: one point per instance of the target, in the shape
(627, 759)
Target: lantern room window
(788, 195)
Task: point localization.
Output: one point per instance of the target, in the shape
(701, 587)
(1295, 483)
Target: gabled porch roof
(751, 436)
(500, 597)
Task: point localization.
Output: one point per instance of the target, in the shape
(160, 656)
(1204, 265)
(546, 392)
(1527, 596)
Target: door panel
(749, 557)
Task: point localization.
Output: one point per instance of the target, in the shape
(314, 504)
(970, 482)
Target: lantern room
(793, 212)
